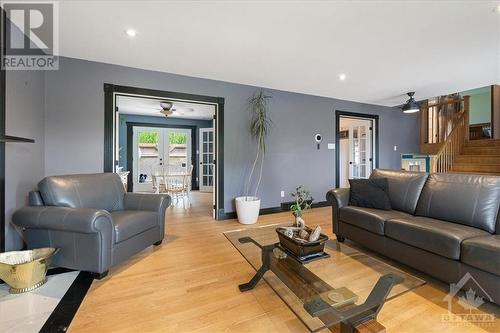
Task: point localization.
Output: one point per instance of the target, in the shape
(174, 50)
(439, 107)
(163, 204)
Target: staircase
(457, 153)
(478, 156)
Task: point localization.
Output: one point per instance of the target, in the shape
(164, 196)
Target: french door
(206, 169)
(360, 150)
(159, 150)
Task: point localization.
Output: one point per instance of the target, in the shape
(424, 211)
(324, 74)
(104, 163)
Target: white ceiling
(386, 48)
(151, 107)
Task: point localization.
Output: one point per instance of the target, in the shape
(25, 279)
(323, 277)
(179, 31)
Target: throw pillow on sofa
(370, 193)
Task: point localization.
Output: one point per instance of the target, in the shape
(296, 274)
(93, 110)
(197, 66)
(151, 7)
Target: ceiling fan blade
(183, 109)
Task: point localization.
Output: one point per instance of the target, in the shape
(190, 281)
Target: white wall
(24, 162)
(344, 162)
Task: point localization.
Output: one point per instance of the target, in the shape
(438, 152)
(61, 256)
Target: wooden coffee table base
(371, 326)
(307, 286)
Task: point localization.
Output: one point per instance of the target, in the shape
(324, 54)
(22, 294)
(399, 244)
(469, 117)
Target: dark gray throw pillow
(370, 193)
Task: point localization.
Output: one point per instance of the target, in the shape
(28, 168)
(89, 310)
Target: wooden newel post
(466, 118)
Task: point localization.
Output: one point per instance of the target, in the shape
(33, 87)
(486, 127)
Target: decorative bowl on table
(301, 248)
(25, 270)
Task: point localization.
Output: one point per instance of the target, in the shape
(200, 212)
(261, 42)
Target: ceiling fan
(168, 108)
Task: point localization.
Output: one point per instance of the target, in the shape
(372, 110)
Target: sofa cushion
(404, 187)
(471, 200)
(369, 193)
(439, 237)
(129, 223)
(99, 191)
(483, 253)
(368, 218)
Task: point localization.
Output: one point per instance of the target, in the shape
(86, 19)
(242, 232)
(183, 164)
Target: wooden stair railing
(453, 145)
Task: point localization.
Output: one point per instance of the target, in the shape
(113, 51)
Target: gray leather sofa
(92, 220)
(446, 225)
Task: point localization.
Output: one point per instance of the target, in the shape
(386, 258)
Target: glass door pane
(178, 152)
(206, 159)
(360, 143)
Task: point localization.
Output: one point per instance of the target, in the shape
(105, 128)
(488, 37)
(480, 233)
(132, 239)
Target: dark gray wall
(24, 164)
(75, 126)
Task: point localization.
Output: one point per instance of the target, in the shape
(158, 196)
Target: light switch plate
(331, 146)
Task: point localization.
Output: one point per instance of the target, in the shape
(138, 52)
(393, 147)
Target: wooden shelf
(10, 138)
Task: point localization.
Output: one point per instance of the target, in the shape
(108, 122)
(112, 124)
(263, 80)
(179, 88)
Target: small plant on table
(303, 201)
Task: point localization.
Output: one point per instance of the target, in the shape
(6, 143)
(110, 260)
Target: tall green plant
(260, 124)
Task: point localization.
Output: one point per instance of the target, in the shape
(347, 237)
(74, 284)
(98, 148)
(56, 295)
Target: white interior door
(154, 149)
(360, 149)
(148, 143)
(206, 170)
(177, 155)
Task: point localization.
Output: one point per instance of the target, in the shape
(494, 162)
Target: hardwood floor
(189, 284)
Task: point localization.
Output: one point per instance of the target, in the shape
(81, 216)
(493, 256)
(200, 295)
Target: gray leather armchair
(92, 220)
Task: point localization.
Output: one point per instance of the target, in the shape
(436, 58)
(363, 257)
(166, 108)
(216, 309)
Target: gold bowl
(25, 270)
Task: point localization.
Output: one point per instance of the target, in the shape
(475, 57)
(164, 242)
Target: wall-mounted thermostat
(317, 138)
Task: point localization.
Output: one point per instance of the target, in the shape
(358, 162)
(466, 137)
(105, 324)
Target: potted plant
(248, 207)
(303, 201)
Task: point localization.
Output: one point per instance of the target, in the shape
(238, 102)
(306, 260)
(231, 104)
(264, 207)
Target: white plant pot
(247, 209)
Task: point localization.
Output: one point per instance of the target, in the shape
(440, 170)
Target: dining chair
(178, 184)
(158, 178)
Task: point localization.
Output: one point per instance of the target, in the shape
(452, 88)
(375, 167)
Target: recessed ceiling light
(131, 32)
(342, 77)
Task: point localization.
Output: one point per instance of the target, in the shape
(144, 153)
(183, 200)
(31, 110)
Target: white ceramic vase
(247, 209)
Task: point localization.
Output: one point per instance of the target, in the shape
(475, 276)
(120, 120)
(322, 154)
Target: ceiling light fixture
(166, 108)
(411, 106)
(131, 32)
(342, 77)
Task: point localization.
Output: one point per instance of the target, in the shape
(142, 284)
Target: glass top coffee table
(348, 288)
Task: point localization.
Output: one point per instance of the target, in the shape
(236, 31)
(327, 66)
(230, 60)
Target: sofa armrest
(150, 202)
(82, 220)
(85, 236)
(143, 201)
(338, 198)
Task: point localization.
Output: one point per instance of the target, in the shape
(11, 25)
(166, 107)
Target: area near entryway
(166, 146)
